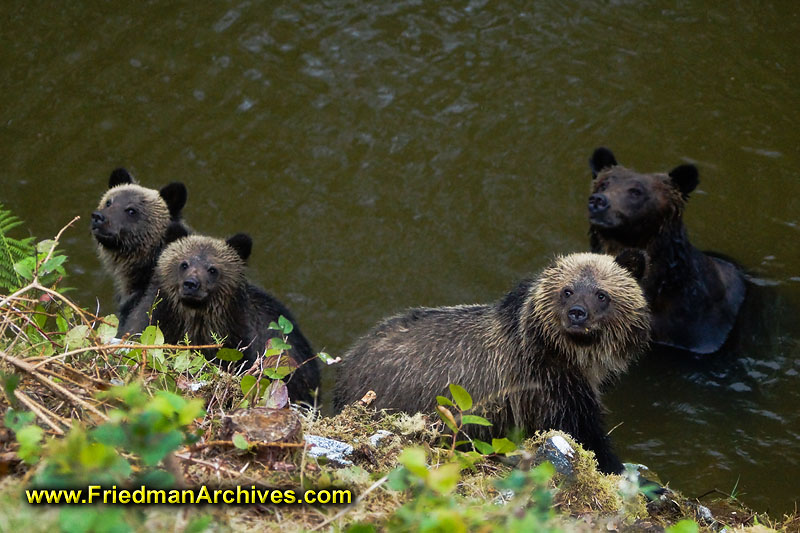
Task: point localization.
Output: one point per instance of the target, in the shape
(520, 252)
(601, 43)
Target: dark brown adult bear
(694, 298)
(535, 360)
(132, 224)
(201, 284)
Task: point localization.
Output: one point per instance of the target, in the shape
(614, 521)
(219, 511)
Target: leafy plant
(143, 431)
(462, 402)
(12, 250)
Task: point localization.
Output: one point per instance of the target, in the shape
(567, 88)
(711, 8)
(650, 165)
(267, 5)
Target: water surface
(389, 154)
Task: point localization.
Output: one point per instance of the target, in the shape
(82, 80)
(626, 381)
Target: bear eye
(131, 211)
(603, 186)
(212, 271)
(602, 296)
(184, 265)
(567, 293)
(108, 203)
(635, 192)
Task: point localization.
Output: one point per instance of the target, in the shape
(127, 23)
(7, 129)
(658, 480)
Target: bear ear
(119, 176)
(242, 243)
(601, 159)
(175, 230)
(685, 178)
(634, 261)
(174, 195)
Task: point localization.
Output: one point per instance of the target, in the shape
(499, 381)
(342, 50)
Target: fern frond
(12, 250)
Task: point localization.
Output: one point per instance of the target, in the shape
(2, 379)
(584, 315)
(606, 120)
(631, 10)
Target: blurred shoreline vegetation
(80, 406)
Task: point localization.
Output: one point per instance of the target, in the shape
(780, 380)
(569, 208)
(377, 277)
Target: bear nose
(191, 284)
(577, 315)
(598, 203)
(97, 218)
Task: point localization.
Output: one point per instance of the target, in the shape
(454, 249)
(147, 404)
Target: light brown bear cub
(534, 360)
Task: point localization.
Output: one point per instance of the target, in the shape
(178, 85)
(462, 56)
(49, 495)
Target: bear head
(132, 219)
(199, 271)
(591, 308)
(632, 206)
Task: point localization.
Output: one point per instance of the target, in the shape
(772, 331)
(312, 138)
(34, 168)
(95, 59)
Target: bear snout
(577, 315)
(190, 285)
(598, 203)
(98, 219)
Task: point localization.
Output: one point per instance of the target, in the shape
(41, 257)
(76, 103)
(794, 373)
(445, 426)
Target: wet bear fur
(131, 225)
(534, 360)
(200, 287)
(694, 297)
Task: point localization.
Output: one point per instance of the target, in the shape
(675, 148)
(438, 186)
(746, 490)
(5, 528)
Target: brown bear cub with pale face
(200, 287)
(131, 225)
(534, 360)
(694, 297)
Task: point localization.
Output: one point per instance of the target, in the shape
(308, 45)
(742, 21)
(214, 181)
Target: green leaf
(247, 383)
(278, 373)
(398, 479)
(447, 417)
(543, 473)
(327, 358)
(152, 336)
(277, 343)
(360, 527)
(10, 382)
(461, 396)
(52, 264)
(483, 447)
(198, 524)
(61, 322)
(240, 442)
(444, 478)
(77, 337)
(503, 445)
(274, 325)
(285, 325)
(25, 268)
(182, 361)
(16, 420)
(44, 247)
(229, 354)
(108, 329)
(441, 400)
(684, 526)
(474, 419)
(413, 458)
(29, 438)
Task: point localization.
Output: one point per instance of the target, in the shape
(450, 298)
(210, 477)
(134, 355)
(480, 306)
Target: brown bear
(200, 287)
(694, 298)
(534, 360)
(131, 225)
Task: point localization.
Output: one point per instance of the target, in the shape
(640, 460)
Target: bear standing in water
(694, 298)
(131, 225)
(199, 288)
(535, 360)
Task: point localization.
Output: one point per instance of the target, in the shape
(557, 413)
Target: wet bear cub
(694, 297)
(534, 360)
(131, 225)
(200, 287)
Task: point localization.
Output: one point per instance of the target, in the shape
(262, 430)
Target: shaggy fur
(203, 288)
(131, 225)
(694, 298)
(522, 359)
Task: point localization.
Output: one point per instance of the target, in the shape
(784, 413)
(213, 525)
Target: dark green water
(389, 154)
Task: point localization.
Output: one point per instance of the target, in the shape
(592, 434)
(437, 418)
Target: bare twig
(353, 505)
(40, 411)
(22, 365)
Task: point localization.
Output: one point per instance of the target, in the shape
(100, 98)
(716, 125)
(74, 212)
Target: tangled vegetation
(82, 407)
